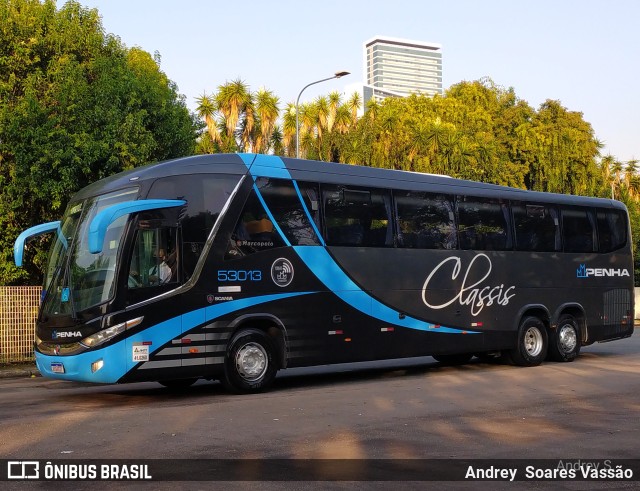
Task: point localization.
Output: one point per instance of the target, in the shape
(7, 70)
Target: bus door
(153, 270)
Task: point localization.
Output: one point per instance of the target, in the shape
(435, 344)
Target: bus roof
(259, 165)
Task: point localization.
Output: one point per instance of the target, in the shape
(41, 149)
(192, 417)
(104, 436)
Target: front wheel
(250, 363)
(565, 340)
(532, 343)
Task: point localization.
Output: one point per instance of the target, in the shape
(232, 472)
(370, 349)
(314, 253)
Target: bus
(233, 267)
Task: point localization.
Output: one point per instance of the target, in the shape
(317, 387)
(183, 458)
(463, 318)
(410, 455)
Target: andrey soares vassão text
(563, 470)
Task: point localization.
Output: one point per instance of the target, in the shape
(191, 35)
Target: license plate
(57, 367)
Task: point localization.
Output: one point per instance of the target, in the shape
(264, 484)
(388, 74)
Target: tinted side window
(612, 230)
(425, 220)
(577, 230)
(254, 231)
(283, 201)
(483, 224)
(154, 261)
(357, 216)
(206, 195)
(537, 227)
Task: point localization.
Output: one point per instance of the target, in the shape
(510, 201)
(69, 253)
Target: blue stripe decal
(118, 357)
(334, 278)
(306, 210)
(247, 158)
(261, 165)
(271, 217)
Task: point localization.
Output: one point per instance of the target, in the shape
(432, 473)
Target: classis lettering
(473, 295)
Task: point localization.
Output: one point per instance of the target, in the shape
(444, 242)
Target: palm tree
(436, 137)
(321, 106)
(267, 109)
(616, 174)
(334, 104)
(420, 139)
(354, 104)
(234, 102)
(248, 128)
(277, 140)
(630, 177)
(606, 165)
(289, 129)
(342, 122)
(206, 109)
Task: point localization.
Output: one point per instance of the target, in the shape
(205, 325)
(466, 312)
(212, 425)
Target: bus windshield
(75, 279)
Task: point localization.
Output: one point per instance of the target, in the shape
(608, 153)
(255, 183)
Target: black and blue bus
(233, 267)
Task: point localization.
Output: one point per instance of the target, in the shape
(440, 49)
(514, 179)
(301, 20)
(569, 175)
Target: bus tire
(565, 340)
(250, 363)
(532, 343)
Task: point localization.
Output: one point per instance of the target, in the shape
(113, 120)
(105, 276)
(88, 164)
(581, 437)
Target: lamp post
(336, 75)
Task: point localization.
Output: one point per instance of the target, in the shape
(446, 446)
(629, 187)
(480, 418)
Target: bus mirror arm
(104, 218)
(43, 228)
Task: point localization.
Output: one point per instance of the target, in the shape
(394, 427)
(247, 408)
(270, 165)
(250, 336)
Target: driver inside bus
(160, 272)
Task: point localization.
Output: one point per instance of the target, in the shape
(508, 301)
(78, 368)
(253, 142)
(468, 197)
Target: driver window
(154, 261)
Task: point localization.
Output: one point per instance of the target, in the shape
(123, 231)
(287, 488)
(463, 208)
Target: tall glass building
(402, 66)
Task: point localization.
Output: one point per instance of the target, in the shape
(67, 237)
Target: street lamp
(336, 75)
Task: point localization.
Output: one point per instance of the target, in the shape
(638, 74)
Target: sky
(583, 53)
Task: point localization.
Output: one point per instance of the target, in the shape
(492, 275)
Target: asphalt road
(402, 409)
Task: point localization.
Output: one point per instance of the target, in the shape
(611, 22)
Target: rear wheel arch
(534, 310)
(577, 311)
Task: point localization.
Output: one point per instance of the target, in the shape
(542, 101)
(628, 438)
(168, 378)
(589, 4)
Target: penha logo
(71, 334)
(584, 272)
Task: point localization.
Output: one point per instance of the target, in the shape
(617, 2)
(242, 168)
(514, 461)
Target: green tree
(267, 109)
(206, 109)
(76, 105)
(235, 103)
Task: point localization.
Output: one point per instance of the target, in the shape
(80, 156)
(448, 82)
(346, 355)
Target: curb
(19, 370)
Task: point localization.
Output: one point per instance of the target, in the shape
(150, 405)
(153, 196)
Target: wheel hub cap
(533, 342)
(251, 362)
(568, 339)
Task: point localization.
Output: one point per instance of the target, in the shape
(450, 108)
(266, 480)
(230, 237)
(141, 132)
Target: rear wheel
(532, 343)
(565, 340)
(250, 363)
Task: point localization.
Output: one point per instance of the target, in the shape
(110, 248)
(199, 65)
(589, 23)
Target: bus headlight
(105, 335)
